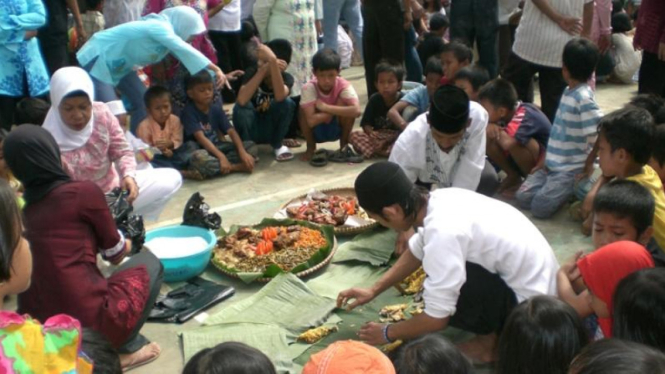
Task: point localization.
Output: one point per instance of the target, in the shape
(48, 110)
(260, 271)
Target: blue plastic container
(184, 268)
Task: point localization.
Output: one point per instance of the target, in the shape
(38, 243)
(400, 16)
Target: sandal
(283, 153)
(320, 158)
(346, 155)
(291, 143)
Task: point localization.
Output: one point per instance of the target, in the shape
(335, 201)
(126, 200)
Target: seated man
(481, 256)
(264, 110)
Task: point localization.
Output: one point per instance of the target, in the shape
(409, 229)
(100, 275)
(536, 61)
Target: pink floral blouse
(106, 150)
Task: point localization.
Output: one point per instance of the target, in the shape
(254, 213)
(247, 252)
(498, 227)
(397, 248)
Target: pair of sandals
(343, 155)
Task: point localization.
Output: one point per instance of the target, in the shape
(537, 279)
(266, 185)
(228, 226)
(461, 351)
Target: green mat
(374, 247)
(286, 300)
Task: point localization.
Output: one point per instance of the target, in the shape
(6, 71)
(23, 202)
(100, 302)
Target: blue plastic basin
(183, 268)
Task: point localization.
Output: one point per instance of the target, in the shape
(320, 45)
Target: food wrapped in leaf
(393, 313)
(413, 284)
(312, 336)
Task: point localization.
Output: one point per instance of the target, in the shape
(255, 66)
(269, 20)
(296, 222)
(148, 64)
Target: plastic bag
(197, 214)
(131, 225)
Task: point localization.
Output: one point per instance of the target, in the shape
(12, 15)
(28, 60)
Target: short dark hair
(449, 109)
(389, 66)
(230, 357)
(477, 75)
(10, 229)
(155, 92)
(247, 30)
(615, 356)
(630, 129)
(281, 48)
(460, 50)
(31, 111)
(621, 23)
(433, 66)
(580, 57)
(202, 77)
(500, 93)
(98, 348)
(639, 308)
(654, 104)
(438, 21)
(658, 148)
(542, 335)
(626, 199)
(326, 59)
(92, 4)
(431, 354)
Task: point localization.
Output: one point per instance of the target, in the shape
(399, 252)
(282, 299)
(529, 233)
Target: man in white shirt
(481, 257)
(545, 28)
(445, 147)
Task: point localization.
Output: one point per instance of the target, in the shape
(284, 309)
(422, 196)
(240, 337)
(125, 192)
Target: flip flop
(283, 153)
(346, 155)
(291, 143)
(320, 158)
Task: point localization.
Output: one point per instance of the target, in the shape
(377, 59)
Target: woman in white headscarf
(112, 56)
(94, 147)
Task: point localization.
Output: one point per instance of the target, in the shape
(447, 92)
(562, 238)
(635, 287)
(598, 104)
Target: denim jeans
(414, 69)
(350, 10)
(268, 127)
(545, 191)
(131, 88)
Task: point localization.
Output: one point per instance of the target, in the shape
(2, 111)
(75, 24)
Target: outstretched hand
(354, 297)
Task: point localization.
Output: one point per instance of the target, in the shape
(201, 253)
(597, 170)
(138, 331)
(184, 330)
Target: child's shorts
(327, 132)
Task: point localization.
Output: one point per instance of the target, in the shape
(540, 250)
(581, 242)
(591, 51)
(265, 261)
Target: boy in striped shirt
(572, 137)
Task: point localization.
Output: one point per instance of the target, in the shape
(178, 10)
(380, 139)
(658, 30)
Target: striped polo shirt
(574, 130)
(540, 40)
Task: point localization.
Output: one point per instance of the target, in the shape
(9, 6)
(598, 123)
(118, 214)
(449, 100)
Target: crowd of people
(101, 95)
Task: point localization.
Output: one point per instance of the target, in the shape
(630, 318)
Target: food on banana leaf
(392, 346)
(331, 210)
(312, 336)
(393, 313)
(413, 284)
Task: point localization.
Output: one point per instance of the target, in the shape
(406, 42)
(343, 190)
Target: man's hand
(82, 35)
(247, 160)
(129, 185)
(30, 34)
(661, 51)
(360, 296)
(372, 334)
(571, 25)
(402, 242)
(224, 165)
(493, 132)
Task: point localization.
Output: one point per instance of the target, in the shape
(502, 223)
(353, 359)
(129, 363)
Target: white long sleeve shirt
(463, 226)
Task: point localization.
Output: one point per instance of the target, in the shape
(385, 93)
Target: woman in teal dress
(22, 63)
(112, 56)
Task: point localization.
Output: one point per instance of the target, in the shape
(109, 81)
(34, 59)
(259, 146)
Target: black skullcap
(449, 109)
(380, 185)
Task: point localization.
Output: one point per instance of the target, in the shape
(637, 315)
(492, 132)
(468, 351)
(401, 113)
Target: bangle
(385, 333)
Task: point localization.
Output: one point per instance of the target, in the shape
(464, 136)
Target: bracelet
(385, 333)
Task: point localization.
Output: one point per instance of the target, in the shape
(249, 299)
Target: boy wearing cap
(478, 266)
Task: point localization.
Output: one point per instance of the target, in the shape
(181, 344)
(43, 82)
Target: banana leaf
(374, 247)
(273, 270)
(286, 300)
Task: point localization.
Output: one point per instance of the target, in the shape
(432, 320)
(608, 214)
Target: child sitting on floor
(264, 110)
(206, 124)
(624, 148)
(163, 130)
(657, 160)
(517, 132)
(471, 79)
(454, 56)
(572, 136)
(328, 108)
(143, 153)
(379, 133)
(416, 101)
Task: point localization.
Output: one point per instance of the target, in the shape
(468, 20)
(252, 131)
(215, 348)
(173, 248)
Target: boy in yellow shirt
(624, 149)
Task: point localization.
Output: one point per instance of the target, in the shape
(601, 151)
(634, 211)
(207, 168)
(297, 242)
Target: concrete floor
(246, 199)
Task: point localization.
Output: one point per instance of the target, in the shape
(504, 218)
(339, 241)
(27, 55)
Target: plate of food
(261, 252)
(336, 207)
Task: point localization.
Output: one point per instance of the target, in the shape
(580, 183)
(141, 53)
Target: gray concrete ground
(246, 199)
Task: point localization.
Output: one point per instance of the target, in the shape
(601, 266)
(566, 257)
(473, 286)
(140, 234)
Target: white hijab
(64, 82)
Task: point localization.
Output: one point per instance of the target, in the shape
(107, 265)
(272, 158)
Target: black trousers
(54, 54)
(488, 185)
(227, 44)
(7, 110)
(383, 36)
(652, 75)
(520, 73)
(477, 21)
(484, 303)
(155, 269)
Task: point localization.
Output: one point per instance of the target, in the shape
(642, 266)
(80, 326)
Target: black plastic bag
(197, 214)
(131, 225)
(182, 304)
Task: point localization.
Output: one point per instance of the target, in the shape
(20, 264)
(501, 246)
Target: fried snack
(392, 346)
(312, 336)
(412, 284)
(393, 313)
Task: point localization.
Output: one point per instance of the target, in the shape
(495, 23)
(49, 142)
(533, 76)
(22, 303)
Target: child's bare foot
(481, 348)
(510, 183)
(192, 174)
(307, 156)
(143, 356)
